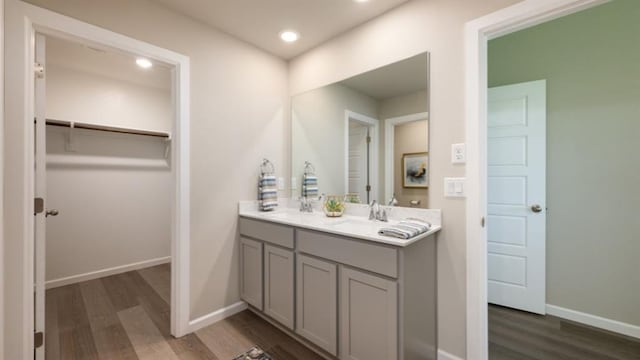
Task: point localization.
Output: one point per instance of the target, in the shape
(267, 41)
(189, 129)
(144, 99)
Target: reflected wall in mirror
(356, 132)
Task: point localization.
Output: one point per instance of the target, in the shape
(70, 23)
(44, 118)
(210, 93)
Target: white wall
(238, 106)
(84, 97)
(421, 25)
(111, 215)
(318, 130)
(2, 269)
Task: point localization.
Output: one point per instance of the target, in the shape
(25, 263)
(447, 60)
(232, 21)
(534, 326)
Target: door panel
(40, 192)
(516, 181)
(317, 303)
(251, 276)
(358, 161)
(368, 316)
(278, 284)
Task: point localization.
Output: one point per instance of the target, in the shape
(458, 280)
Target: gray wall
(436, 26)
(591, 63)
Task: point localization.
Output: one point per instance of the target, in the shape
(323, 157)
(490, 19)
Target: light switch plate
(294, 183)
(280, 183)
(458, 154)
(455, 187)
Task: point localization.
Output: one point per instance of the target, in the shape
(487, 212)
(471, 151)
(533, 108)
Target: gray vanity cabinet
(278, 284)
(354, 299)
(251, 272)
(368, 316)
(316, 302)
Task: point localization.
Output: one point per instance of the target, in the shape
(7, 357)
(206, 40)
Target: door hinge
(368, 139)
(38, 205)
(482, 222)
(38, 339)
(39, 70)
(368, 187)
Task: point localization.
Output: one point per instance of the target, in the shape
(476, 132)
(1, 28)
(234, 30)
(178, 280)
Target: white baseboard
(216, 316)
(595, 321)
(105, 272)
(443, 355)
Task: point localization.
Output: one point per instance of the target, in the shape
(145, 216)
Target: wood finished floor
(520, 335)
(127, 316)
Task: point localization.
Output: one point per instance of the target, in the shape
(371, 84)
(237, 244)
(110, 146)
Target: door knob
(536, 208)
(52, 212)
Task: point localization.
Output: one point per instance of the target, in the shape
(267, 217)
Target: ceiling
(259, 22)
(400, 78)
(110, 64)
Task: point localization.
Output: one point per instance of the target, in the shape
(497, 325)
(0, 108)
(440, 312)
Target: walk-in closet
(107, 256)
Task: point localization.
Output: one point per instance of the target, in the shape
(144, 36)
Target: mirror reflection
(367, 137)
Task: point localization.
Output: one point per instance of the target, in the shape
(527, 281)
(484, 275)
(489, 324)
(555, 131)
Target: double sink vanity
(338, 286)
(335, 284)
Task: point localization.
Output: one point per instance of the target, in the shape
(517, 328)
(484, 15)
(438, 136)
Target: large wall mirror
(366, 137)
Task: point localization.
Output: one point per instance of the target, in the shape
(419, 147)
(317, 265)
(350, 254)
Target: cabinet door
(369, 316)
(251, 272)
(278, 284)
(316, 302)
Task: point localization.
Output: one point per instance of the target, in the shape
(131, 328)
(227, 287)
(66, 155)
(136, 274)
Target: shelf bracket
(70, 146)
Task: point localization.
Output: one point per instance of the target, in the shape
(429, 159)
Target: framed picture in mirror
(415, 170)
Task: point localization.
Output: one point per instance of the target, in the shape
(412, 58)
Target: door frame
(22, 22)
(374, 124)
(478, 32)
(389, 142)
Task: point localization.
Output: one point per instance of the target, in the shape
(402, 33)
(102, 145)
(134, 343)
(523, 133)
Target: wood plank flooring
(520, 335)
(127, 316)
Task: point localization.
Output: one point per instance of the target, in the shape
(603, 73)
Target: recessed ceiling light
(361, 1)
(144, 63)
(289, 36)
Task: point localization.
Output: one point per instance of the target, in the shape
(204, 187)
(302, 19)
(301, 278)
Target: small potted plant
(333, 206)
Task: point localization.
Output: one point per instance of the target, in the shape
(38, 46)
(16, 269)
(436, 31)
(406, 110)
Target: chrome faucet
(377, 212)
(393, 201)
(305, 205)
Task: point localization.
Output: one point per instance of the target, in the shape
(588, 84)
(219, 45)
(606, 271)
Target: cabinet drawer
(277, 234)
(379, 259)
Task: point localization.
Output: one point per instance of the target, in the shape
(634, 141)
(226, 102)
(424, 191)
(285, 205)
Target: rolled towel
(406, 229)
(267, 192)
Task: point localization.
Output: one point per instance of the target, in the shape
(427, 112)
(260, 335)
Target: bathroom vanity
(338, 286)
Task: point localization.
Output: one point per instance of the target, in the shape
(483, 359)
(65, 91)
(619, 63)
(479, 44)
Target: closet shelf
(121, 130)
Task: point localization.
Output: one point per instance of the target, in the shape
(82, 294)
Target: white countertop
(352, 223)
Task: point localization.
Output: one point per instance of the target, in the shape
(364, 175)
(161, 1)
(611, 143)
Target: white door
(516, 196)
(40, 193)
(358, 161)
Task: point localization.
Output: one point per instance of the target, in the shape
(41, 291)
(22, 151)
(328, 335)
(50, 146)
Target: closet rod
(79, 125)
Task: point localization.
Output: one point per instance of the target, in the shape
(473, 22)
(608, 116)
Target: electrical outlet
(458, 154)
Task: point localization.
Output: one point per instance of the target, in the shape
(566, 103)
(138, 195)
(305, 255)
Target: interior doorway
(20, 106)
(361, 146)
(103, 131)
(478, 33)
(574, 159)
